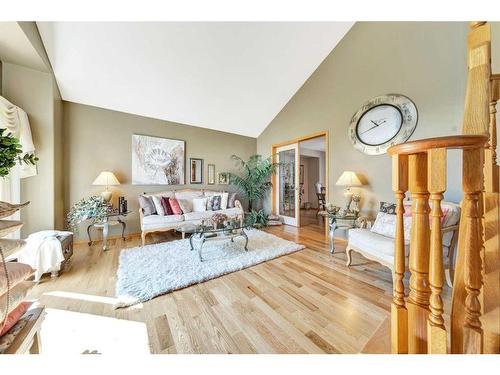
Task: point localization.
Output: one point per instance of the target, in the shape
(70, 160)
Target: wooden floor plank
(305, 302)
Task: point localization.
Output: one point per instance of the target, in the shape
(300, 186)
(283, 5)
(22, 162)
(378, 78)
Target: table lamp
(107, 179)
(348, 179)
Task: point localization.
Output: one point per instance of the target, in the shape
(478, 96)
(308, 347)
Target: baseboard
(85, 241)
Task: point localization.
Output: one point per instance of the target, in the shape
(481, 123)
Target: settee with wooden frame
(158, 223)
(380, 248)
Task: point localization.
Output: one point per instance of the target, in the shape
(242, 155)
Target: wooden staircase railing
(417, 324)
(420, 166)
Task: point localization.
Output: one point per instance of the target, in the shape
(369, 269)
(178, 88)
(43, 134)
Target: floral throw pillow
(385, 224)
(388, 208)
(216, 202)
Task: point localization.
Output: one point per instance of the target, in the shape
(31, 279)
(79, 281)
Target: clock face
(379, 125)
(382, 122)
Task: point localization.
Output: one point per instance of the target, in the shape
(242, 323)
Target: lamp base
(106, 195)
(348, 198)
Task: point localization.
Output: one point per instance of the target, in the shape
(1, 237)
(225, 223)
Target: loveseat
(380, 247)
(163, 223)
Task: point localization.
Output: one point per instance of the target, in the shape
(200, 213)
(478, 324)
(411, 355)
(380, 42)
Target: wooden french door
(287, 184)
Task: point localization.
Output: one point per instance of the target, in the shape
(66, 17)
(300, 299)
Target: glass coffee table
(199, 234)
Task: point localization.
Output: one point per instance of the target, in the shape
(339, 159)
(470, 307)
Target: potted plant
(95, 207)
(10, 153)
(254, 182)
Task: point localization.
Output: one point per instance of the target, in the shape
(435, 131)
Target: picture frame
(158, 160)
(211, 174)
(195, 171)
(301, 174)
(223, 178)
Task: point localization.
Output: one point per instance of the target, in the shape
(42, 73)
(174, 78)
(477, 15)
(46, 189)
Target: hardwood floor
(306, 302)
(310, 217)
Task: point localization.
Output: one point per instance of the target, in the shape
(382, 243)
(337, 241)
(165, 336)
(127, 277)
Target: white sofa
(380, 248)
(160, 223)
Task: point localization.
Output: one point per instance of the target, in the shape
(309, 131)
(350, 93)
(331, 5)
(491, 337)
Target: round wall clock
(382, 122)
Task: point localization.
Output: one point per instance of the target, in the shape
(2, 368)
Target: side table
(113, 218)
(339, 222)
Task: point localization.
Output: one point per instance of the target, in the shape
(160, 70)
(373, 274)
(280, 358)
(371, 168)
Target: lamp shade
(106, 178)
(349, 178)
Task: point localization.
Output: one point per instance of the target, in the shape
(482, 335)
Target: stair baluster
(418, 299)
(436, 331)
(399, 313)
(472, 185)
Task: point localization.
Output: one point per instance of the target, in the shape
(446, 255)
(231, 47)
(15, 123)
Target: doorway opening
(300, 188)
(312, 183)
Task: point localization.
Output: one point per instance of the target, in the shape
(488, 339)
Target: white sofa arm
(237, 204)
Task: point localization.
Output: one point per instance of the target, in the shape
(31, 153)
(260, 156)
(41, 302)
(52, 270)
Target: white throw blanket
(43, 252)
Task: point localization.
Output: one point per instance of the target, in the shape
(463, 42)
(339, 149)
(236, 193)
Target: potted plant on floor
(254, 181)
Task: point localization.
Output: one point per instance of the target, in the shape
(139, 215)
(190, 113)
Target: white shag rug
(149, 271)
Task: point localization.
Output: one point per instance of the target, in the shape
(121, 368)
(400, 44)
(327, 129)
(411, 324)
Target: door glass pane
(287, 183)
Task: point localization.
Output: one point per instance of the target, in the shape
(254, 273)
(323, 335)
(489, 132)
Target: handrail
(449, 142)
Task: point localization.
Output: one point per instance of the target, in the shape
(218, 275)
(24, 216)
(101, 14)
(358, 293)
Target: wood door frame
(319, 134)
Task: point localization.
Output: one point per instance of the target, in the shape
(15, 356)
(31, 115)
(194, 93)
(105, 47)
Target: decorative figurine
(356, 198)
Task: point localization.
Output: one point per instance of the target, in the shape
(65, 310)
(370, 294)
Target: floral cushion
(216, 202)
(388, 208)
(385, 224)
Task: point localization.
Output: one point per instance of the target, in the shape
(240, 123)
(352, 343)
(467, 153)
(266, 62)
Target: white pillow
(158, 206)
(199, 204)
(186, 205)
(385, 224)
(223, 201)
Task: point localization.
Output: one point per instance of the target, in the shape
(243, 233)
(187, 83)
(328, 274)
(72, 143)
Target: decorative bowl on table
(218, 220)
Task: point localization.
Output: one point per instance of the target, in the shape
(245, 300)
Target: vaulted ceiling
(233, 77)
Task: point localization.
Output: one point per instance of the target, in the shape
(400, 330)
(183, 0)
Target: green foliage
(255, 179)
(10, 151)
(256, 218)
(94, 207)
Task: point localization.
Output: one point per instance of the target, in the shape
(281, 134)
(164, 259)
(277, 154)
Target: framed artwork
(211, 174)
(157, 161)
(301, 174)
(223, 178)
(196, 171)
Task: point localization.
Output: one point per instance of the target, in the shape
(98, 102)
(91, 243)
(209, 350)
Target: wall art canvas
(157, 161)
